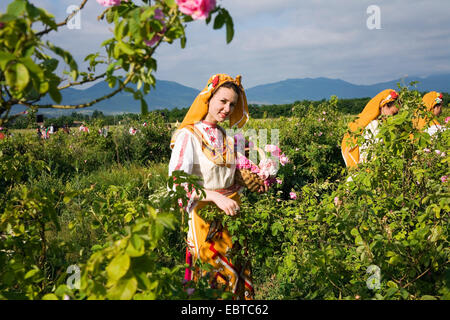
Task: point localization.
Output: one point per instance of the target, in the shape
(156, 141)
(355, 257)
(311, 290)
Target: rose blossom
(283, 159)
(273, 149)
(263, 174)
(444, 178)
(197, 9)
(159, 15)
(108, 3)
(255, 169)
(426, 150)
(279, 181)
(293, 195)
(336, 201)
(269, 166)
(447, 119)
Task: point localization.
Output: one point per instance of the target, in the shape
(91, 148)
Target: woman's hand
(229, 206)
(263, 189)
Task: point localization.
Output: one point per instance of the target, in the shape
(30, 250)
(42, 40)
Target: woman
(201, 147)
(383, 104)
(433, 104)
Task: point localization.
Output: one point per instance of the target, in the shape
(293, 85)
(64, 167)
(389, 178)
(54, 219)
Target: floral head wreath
(393, 95)
(439, 97)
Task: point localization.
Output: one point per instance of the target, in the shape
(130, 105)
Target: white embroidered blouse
(187, 156)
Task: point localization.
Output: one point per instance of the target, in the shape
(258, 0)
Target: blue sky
(283, 39)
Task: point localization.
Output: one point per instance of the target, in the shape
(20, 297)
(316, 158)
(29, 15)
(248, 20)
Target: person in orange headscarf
(203, 148)
(367, 123)
(433, 104)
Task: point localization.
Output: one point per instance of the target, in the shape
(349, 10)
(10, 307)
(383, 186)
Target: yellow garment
(199, 108)
(429, 100)
(370, 112)
(227, 273)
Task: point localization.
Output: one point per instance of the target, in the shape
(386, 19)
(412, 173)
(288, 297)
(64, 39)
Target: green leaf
(428, 297)
(17, 76)
(230, 30)
(16, 8)
(118, 267)
(125, 48)
(50, 296)
(170, 3)
(55, 94)
(123, 290)
(219, 21)
(31, 273)
(5, 57)
(136, 247)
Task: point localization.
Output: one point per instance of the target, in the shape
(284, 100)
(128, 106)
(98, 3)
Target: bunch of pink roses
(268, 167)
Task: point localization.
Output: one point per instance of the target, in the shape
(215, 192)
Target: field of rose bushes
(101, 205)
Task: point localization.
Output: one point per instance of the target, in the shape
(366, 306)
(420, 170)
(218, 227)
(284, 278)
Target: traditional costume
(204, 149)
(366, 124)
(430, 126)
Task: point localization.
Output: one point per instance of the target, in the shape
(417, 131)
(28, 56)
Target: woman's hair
(229, 85)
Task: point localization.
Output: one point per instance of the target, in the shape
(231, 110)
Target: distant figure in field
(433, 104)
(383, 104)
(39, 133)
(83, 128)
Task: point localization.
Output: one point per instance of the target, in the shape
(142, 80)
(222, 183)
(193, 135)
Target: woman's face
(389, 109)
(221, 105)
(437, 109)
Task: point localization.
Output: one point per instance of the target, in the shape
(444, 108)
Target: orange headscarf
(429, 100)
(370, 112)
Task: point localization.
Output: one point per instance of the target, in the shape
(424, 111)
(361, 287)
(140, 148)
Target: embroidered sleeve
(182, 157)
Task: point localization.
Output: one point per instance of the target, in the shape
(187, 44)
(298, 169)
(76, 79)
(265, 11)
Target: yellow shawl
(429, 100)
(370, 112)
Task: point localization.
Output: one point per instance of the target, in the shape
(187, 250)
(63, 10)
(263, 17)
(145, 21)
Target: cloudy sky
(282, 39)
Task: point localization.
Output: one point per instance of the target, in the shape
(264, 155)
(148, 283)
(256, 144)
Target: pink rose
(336, 201)
(426, 150)
(108, 3)
(293, 195)
(273, 149)
(159, 15)
(444, 179)
(283, 159)
(279, 181)
(197, 9)
(263, 174)
(269, 165)
(255, 169)
(447, 119)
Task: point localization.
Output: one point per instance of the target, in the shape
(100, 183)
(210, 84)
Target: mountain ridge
(170, 94)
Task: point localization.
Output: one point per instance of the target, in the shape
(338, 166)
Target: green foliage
(28, 64)
(383, 235)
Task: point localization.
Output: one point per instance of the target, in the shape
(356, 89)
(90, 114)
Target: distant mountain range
(169, 94)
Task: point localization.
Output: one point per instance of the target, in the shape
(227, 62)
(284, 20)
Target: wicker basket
(247, 178)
